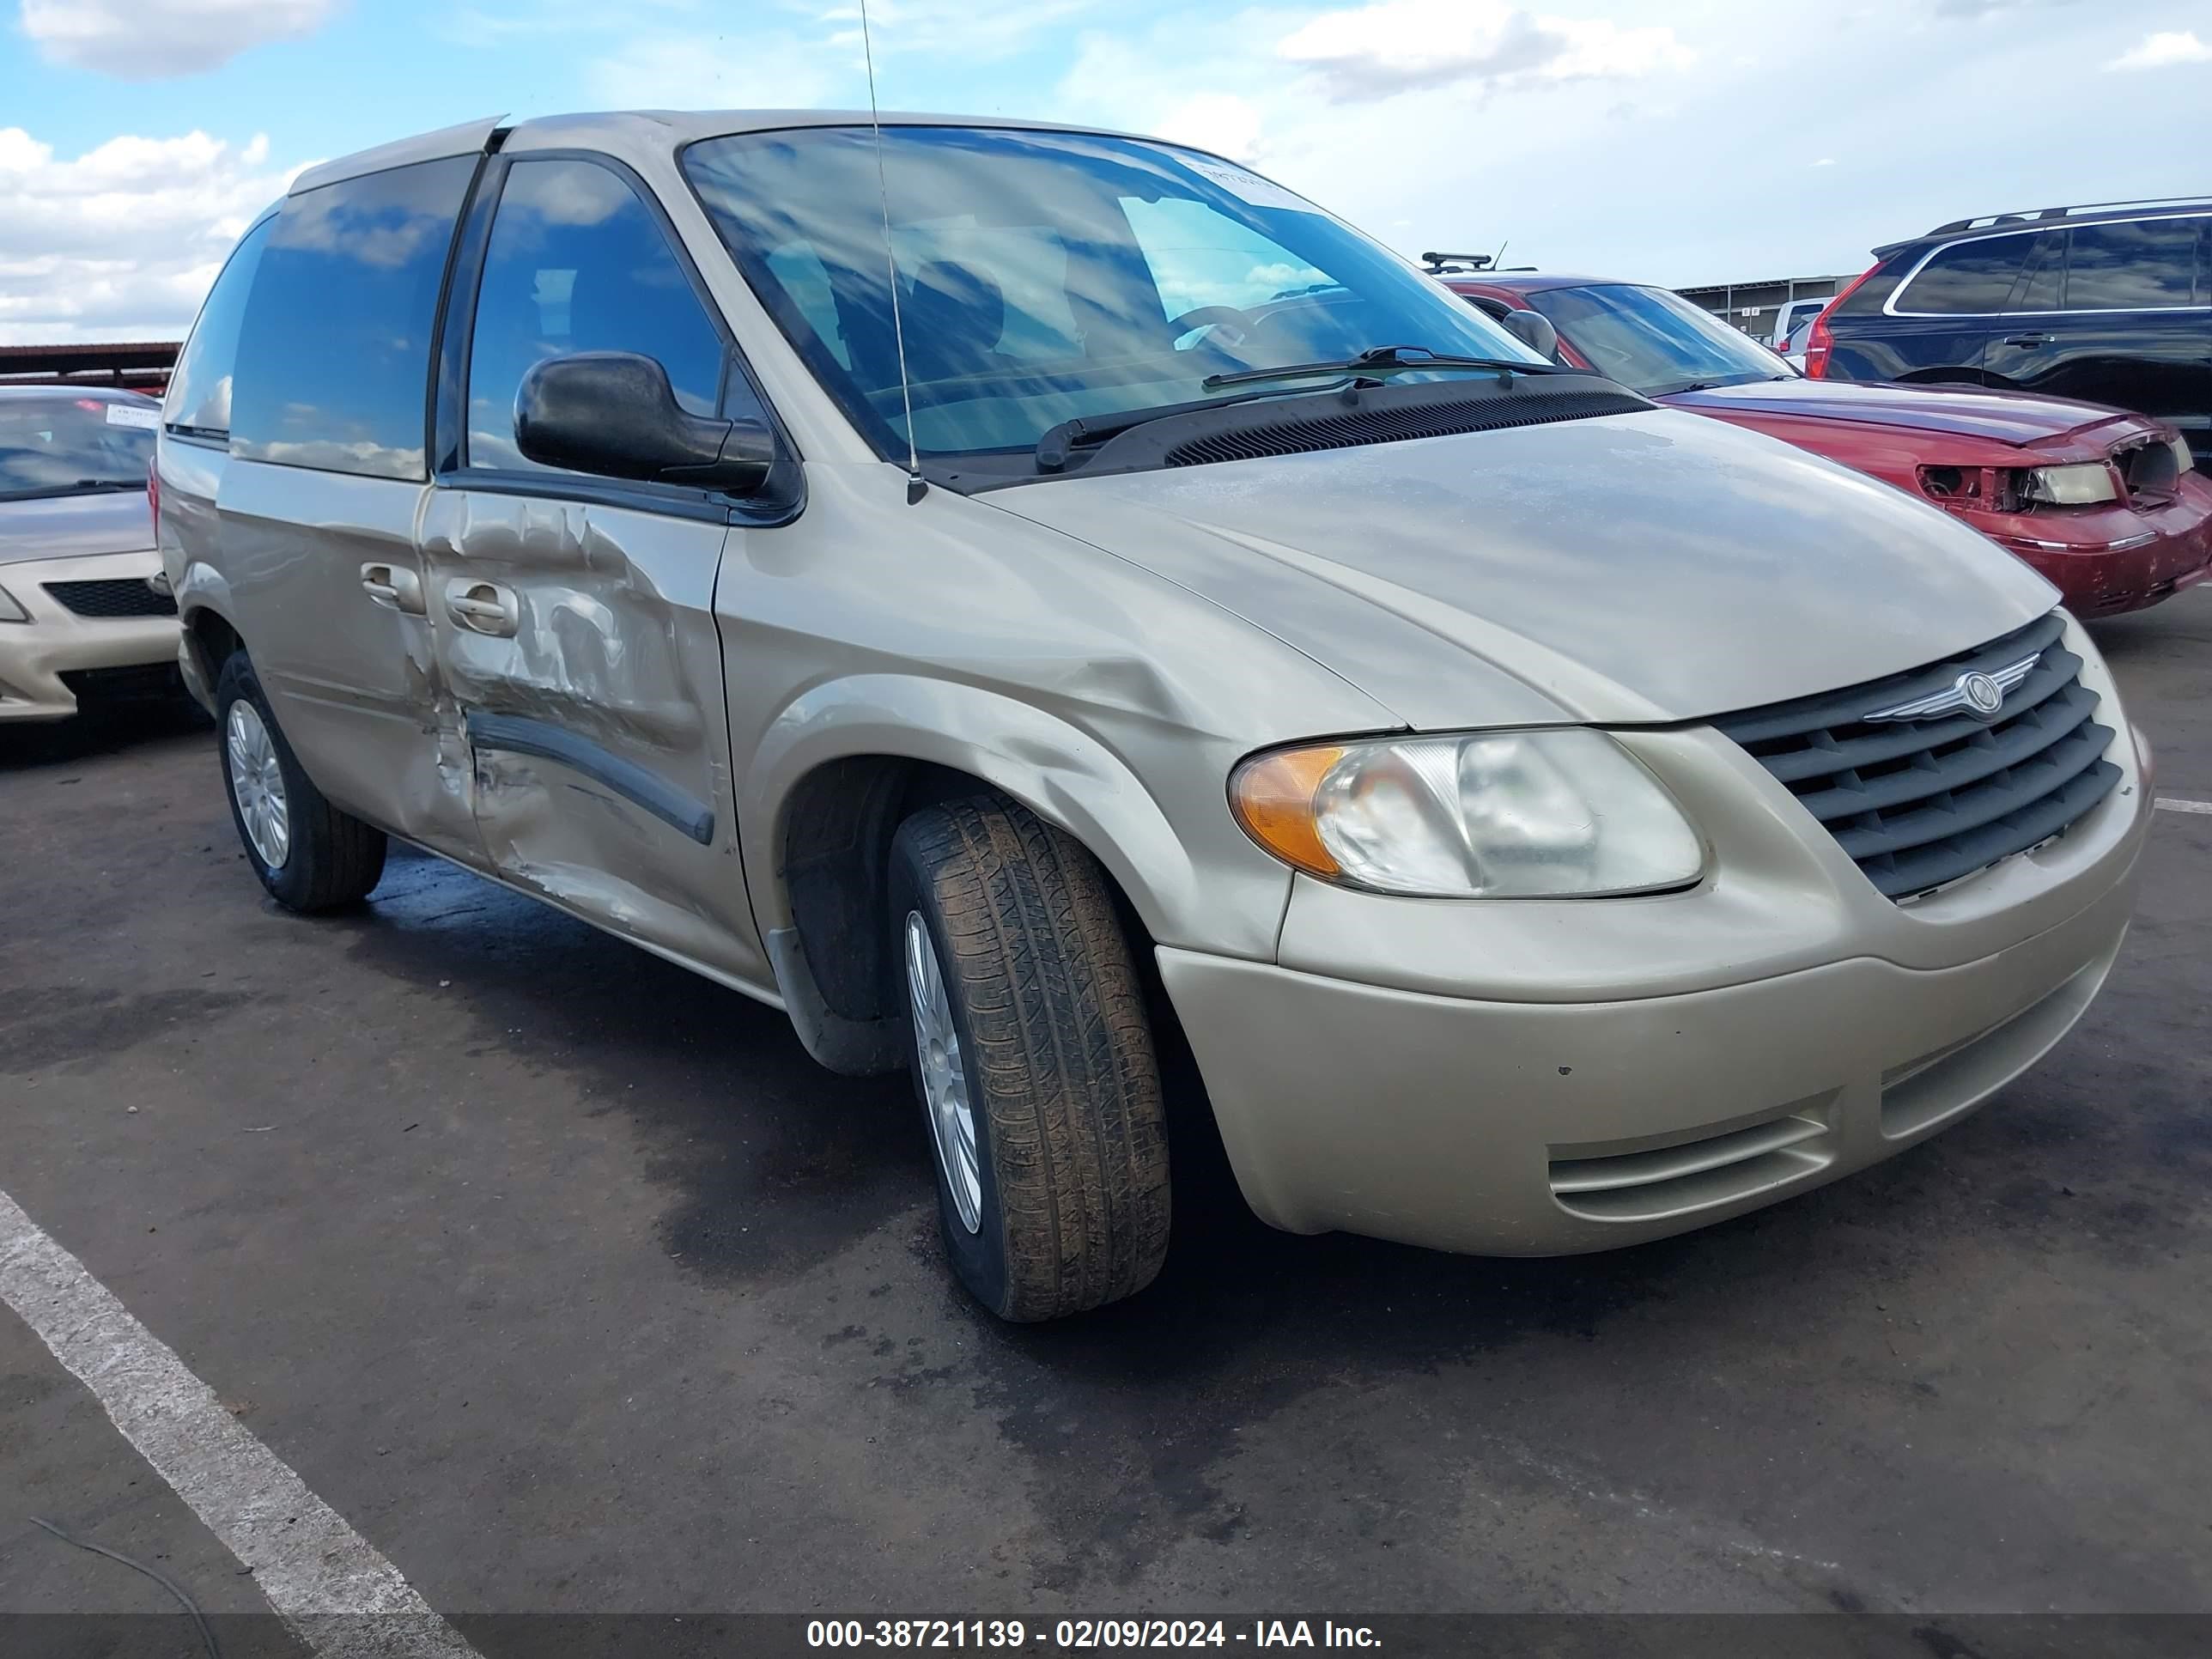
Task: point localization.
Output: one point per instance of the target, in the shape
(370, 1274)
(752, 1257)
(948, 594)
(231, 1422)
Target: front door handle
(483, 607)
(393, 586)
(2027, 339)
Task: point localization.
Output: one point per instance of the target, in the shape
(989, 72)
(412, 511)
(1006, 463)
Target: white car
(1792, 323)
(85, 612)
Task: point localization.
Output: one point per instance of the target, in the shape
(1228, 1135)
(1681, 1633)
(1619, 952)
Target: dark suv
(2110, 304)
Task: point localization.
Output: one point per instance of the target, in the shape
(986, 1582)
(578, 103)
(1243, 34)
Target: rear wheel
(1031, 1058)
(309, 855)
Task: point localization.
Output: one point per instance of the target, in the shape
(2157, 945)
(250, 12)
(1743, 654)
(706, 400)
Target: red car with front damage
(2101, 501)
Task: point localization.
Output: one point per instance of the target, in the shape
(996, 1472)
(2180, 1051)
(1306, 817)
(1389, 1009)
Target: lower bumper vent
(1695, 1175)
(119, 596)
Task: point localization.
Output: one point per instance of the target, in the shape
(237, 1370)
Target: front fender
(1191, 873)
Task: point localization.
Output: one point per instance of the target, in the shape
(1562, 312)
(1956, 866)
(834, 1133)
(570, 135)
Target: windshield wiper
(1059, 443)
(1379, 360)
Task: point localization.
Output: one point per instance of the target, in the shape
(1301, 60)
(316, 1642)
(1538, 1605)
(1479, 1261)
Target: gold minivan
(984, 587)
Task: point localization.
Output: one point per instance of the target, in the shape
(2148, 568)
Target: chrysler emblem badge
(1980, 693)
(1977, 693)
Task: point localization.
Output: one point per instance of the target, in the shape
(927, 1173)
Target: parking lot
(569, 1283)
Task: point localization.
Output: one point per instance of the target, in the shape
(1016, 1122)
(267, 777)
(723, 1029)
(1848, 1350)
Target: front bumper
(1540, 1077)
(34, 655)
(2107, 560)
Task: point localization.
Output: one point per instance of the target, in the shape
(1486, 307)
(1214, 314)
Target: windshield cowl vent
(1432, 411)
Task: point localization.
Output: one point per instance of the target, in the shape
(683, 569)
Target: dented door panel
(579, 642)
(324, 572)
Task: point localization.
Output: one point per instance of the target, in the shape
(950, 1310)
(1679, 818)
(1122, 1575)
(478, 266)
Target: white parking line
(2169, 804)
(319, 1574)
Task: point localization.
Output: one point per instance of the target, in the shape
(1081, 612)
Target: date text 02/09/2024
(1085, 1633)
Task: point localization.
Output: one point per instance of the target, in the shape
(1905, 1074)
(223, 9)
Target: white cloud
(2163, 51)
(1217, 121)
(122, 242)
(1391, 47)
(154, 39)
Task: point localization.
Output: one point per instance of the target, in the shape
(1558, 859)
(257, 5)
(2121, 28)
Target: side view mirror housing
(614, 414)
(1535, 331)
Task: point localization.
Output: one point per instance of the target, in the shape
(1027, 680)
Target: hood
(67, 526)
(1627, 568)
(2011, 418)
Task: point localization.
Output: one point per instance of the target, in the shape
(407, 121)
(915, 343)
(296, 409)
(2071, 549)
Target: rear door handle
(483, 607)
(393, 586)
(2027, 339)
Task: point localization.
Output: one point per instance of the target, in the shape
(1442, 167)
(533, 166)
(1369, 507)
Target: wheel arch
(840, 770)
(211, 631)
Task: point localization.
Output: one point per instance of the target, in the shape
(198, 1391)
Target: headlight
(2081, 484)
(10, 609)
(1559, 813)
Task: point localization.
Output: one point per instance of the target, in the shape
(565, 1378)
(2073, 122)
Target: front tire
(1032, 1059)
(309, 855)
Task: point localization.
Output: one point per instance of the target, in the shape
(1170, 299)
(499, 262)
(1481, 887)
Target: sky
(1701, 141)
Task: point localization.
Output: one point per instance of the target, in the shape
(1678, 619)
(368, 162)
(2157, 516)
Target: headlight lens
(2081, 484)
(10, 610)
(1548, 814)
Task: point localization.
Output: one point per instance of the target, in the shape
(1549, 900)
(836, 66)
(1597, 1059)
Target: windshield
(1654, 341)
(1043, 277)
(61, 444)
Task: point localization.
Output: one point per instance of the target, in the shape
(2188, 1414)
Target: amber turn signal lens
(1274, 798)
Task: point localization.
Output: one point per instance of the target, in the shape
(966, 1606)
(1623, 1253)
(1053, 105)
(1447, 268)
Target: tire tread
(1065, 1066)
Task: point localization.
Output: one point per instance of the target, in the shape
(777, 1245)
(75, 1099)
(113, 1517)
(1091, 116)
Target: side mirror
(1534, 330)
(613, 413)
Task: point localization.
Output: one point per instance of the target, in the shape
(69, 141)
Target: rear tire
(309, 855)
(1061, 1202)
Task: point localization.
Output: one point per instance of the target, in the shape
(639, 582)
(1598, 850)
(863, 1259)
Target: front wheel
(309, 855)
(1032, 1060)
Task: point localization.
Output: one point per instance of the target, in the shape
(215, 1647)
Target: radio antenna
(917, 485)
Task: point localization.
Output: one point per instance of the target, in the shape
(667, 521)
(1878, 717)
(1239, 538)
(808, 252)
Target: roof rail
(1440, 263)
(2031, 216)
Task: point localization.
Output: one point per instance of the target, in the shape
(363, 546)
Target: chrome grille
(1918, 803)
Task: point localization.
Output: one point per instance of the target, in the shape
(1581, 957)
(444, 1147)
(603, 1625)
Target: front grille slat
(1876, 743)
(1938, 864)
(120, 596)
(1918, 803)
(1970, 809)
(2019, 742)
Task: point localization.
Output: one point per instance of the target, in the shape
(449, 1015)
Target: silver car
(85, 611)
(991, 590)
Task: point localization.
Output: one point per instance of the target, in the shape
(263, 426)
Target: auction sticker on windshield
(147, 420)
(1246, 186)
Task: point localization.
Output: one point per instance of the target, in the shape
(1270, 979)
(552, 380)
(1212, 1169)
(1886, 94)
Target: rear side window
(2042, 282)
(199, 401)
(1966, 278)
(334, 360)
(577, 263)
(2142, 266)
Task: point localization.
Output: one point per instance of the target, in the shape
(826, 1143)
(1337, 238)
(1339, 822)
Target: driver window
(1200, 257)
(576, 263)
